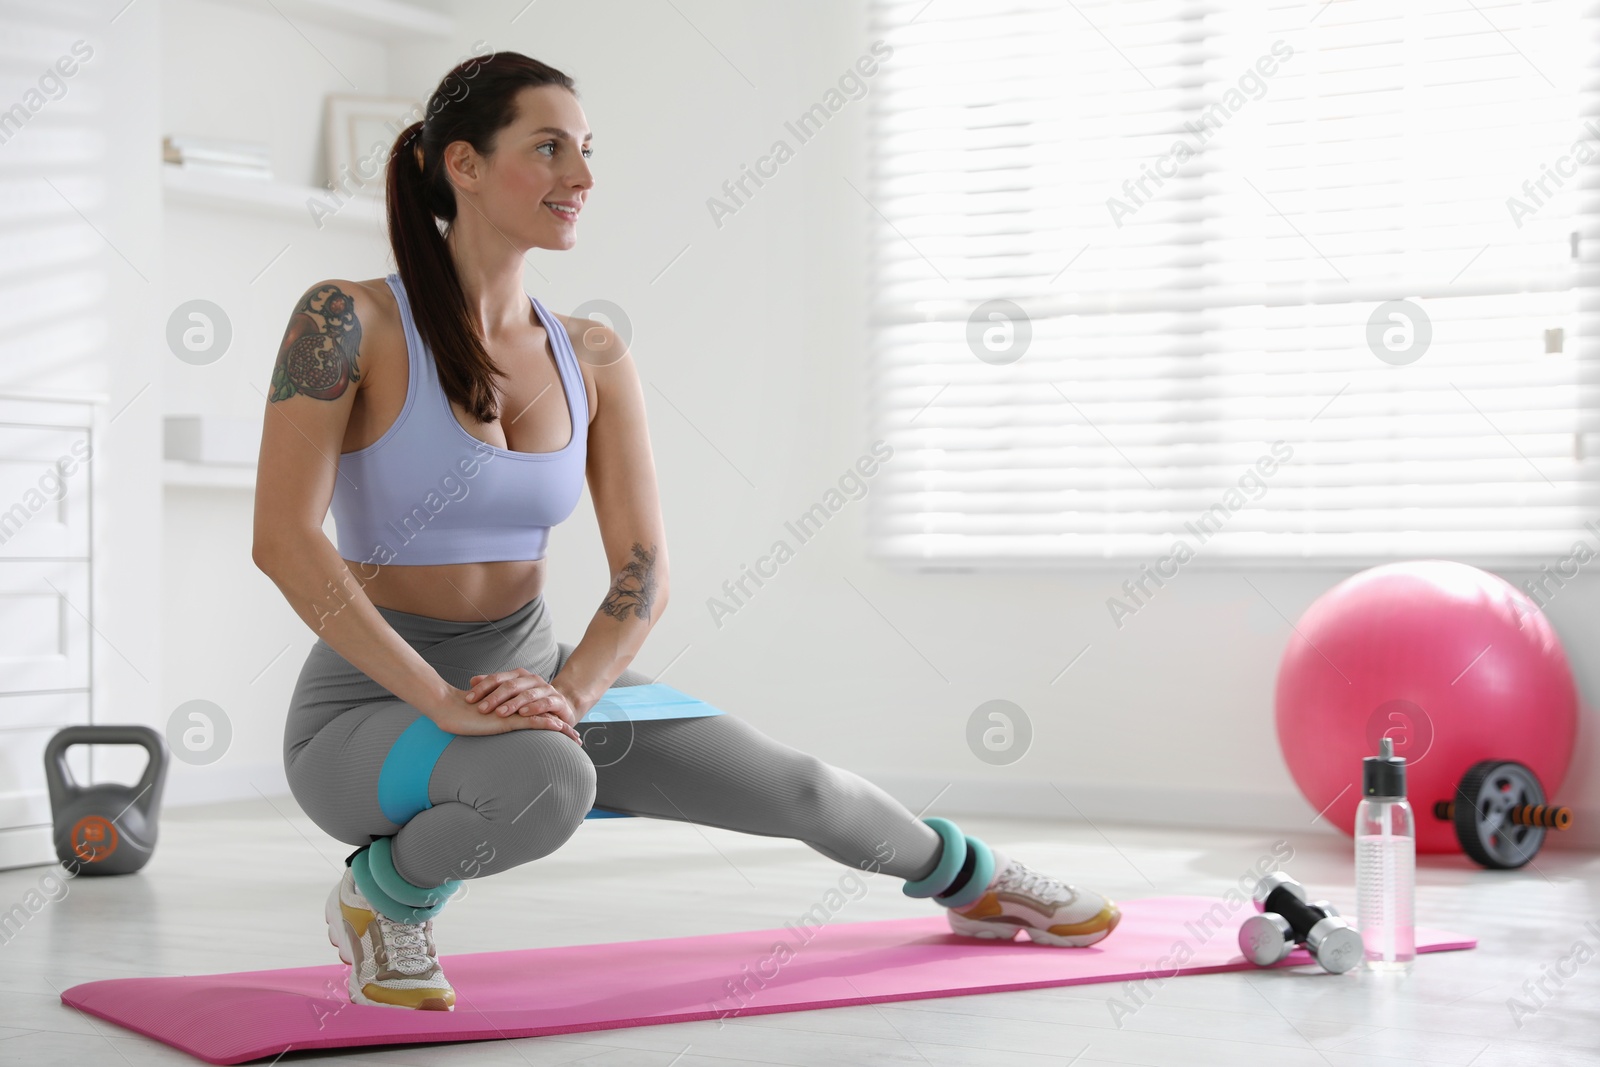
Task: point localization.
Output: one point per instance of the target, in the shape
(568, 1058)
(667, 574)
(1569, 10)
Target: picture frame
(359, 131)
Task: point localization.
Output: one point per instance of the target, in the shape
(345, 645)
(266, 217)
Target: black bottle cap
(1383, 777)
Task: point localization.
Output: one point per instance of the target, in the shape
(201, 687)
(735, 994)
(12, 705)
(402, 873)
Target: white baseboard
(31, 846)
(1212, 809)
(1095, 803)
(26, 846)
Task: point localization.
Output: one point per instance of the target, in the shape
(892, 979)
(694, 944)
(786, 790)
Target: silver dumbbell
(1286, 920)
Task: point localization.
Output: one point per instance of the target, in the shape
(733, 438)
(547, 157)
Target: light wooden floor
(240, 887)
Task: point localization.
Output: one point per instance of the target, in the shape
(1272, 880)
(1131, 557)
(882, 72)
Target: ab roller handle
(1550, 818)
(1286, 920)
(109, 828)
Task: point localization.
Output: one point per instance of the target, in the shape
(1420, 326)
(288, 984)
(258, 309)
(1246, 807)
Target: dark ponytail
(472, 103)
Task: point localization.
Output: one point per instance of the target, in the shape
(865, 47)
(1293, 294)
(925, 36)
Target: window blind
(1284, 281)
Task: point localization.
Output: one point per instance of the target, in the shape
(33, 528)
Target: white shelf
(177, 473)
(272, 199)
(56, 397)
(385, 20)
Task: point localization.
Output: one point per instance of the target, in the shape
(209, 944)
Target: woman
(437, 723)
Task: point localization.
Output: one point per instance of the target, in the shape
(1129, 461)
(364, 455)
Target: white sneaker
(392, 964)
(1051, 911)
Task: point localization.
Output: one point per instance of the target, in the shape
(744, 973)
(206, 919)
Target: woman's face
(539, 160)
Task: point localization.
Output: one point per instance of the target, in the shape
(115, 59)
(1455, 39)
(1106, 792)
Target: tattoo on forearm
(635, 587)
(318, 355)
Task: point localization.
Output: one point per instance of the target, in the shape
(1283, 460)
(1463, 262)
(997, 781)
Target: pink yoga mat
(232, 1018)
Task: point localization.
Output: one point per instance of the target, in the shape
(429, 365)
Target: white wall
(77, 288)
(230, 638)
(753, 345)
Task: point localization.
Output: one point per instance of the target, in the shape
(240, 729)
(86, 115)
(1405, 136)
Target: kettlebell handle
(59, 777)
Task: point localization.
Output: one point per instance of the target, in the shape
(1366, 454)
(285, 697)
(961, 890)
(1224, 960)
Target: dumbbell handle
(1545, 815)
(1300, 915)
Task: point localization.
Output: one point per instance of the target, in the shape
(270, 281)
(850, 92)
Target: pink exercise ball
(1453, 663)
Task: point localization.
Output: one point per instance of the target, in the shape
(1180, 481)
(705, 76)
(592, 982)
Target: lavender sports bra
(428, 492)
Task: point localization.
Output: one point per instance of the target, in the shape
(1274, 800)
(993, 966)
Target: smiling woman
(426, 725)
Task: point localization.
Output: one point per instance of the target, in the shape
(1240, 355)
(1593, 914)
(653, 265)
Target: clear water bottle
(1386, 850)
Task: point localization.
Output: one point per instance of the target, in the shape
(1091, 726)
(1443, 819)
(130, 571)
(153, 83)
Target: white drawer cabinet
(42, 511)
(27, 720)
(46, 605)
(44, 631)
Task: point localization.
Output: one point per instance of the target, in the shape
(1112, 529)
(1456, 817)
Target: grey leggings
(501, 800)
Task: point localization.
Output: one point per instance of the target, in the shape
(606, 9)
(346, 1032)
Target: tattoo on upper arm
(318, 355)
(635, 587)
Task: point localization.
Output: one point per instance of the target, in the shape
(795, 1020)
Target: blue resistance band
(638, 703)
(403, 778)
(635, 703)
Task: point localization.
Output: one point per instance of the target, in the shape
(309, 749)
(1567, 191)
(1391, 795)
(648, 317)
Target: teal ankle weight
(381, 863)
(951, 857)
(982, 875)
(393, 896)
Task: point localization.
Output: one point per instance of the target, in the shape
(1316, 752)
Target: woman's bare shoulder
(377, 290)
(372, 300)
(365, 308)
(598, 347)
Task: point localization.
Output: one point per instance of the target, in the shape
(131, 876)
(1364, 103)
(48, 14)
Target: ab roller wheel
(1500, 814)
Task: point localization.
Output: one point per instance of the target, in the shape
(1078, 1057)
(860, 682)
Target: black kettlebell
(110, 828)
